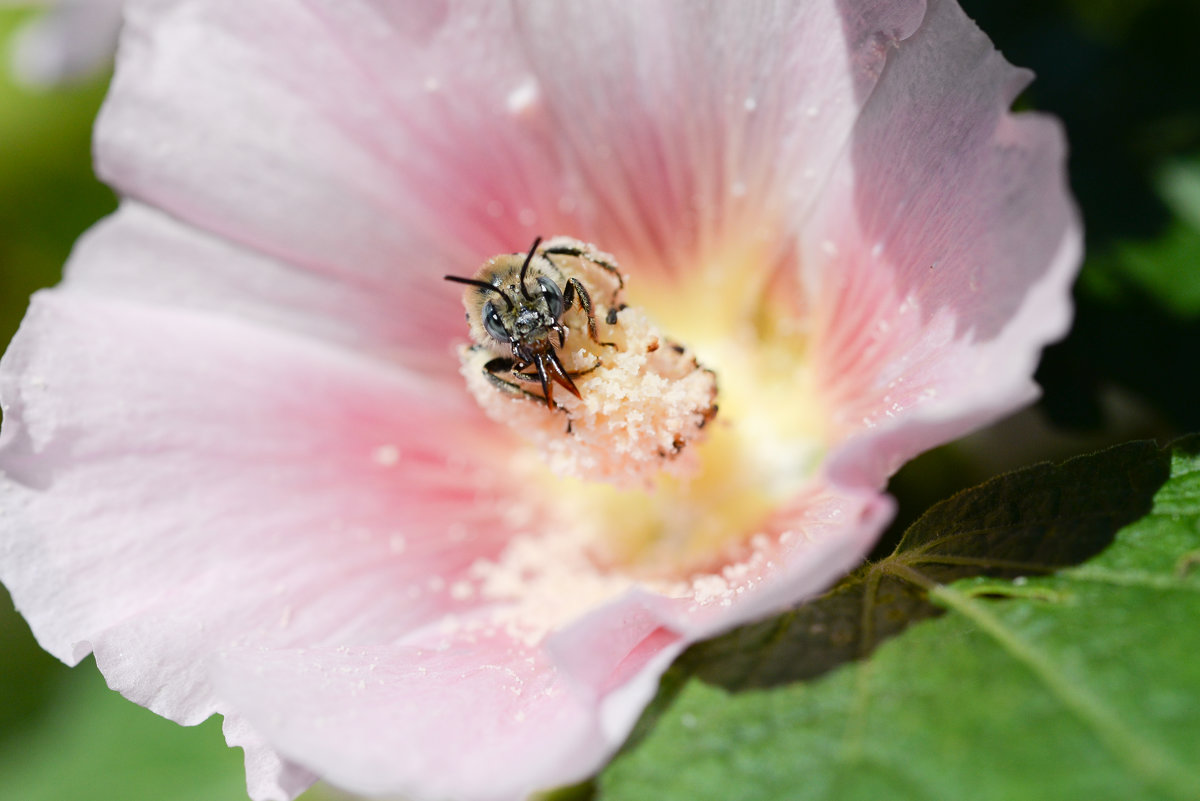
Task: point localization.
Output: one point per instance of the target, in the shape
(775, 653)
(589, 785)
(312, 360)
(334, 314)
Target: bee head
(526, 310)
(535, 310)
(531, 315)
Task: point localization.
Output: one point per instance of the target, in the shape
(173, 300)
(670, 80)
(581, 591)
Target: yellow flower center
(637, 469)
(761, 448)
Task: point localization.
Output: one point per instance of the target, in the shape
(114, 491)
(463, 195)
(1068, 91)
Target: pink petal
(941, 263)
(309, 173)
(402, 718)
(145, 256)
(487, 719)
(816, 538)
(176, 481)
(693, 125)
(386, 146)
(268, 776)
(256, 575)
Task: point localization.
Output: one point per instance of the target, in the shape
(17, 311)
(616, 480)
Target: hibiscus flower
(243, 468)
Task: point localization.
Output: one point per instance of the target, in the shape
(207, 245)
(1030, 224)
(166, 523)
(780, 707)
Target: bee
(516, 309)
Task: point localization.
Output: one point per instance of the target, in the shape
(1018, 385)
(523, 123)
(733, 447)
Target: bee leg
(531, 377)
(501, 369)
(610, 268)
(550, 367)
(501, 364)
(494, 370)
(547, 387)
(576, 289)
(564, 246)
(558, 247)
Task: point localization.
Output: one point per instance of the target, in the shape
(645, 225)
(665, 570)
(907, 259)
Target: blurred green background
(1119, 73)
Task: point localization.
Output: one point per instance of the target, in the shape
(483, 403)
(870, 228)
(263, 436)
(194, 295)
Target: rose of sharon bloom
(241, 465)
(73, 40)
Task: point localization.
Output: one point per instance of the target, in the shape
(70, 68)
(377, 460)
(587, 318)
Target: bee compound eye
(553, 296)
(493, 324)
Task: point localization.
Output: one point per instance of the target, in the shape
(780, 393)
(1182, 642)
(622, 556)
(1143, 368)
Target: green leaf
(1083, 684)
(1161, 268)
(90, 743)
(1029, 522)
(87, 742)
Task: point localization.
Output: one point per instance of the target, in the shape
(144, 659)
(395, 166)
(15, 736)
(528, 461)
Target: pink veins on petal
(241, 466)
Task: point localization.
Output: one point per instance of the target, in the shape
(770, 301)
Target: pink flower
(242, 467)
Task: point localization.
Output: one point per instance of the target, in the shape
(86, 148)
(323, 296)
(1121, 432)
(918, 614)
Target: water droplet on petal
(386, 455)
(523, 97)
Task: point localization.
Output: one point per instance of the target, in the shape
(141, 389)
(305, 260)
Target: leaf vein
(1150, 761)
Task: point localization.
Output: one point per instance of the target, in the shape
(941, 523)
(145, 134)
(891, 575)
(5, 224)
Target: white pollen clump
(643, 402)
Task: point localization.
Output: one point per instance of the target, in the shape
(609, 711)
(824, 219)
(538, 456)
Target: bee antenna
(525, 267)
(481, 285)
